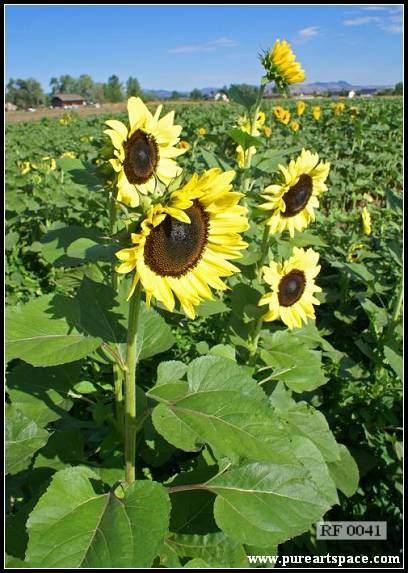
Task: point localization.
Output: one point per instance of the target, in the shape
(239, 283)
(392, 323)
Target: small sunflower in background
(144, 152)
(267, 131)
(184, 247)
(316, 112)
(293, 201)
(281, 66)
(25, 167)
(295, 126)
(338, 108)
(292, 283)
(202, 131)
(245, 125)
(300, 108)
(183, 145)
(366, 221)
(243, 156)
(353, 254)
(282, 114)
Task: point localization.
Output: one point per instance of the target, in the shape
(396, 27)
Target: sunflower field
(204, 330)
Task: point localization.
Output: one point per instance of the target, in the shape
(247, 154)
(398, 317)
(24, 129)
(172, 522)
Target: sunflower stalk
(130, 386)
(264, 251)
(248, 156)
(117, 371)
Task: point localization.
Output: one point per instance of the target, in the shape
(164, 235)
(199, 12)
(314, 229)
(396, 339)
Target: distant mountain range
(163, 94)
(313, 88)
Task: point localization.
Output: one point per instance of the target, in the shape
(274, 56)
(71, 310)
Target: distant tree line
(26, 93)
(29, 93)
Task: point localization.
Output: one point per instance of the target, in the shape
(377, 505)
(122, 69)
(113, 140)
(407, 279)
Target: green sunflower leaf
(212, 548)
(41, 332)
(244, 139)
(41, 394)
(345, 472)
(75, 524)
(224, 407)
(297, 365)
(23, 438)
(265, 504)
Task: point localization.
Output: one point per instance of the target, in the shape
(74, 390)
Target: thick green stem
(117, 372)
(398, 304)
(118, 385)
(254, 342)
(264, 250)
(130, 387)
(396, 311)
(248, 155)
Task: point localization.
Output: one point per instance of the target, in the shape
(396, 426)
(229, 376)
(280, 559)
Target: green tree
(175, 95)
(113, 90)
(133, 87)
(399, 88)
(24, 93)
(85, 86)
(196, 94)
(98, 92)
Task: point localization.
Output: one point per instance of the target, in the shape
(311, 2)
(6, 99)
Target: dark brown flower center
(291, 287)
(141, 157)
(173, 247)
(297, 197)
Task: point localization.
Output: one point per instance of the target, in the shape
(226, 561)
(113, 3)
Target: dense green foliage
(206, 417)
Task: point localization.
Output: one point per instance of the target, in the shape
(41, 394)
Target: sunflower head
(338, 108)
(183, 144)
(300, 108)
(184, 247)
(243, 156)
(316, 112)
(282, 114)
(144, 152)
(267, 131)
(281, 67)
(366, 221)
(353, 255)
(202, 131)
(292, 287)
(295, 126)
(292, 202)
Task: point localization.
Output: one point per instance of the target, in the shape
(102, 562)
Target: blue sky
(183, 47)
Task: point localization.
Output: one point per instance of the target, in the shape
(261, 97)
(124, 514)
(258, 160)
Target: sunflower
(183, 145)
(293, 201)
(183, 247)
(300, 107)
(338, 108)
(267, 131)
(244, 156)
(316, 111)
(353, 255)
(202, 131)
(366, 221)
(281, 114)
(292, 288)
(245, 125)
(281, 67)
(145, 152)
(295, 126)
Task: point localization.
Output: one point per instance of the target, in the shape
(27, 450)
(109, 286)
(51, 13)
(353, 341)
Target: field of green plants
(247, 432)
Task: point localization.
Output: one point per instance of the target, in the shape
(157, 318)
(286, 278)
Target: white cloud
(390, 21)
(206, 47)
(361, 20)
(309, 32)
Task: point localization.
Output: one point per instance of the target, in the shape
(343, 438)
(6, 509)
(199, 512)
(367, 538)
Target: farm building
(67, 101)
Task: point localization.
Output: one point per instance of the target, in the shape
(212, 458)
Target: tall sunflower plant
(216, 457)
